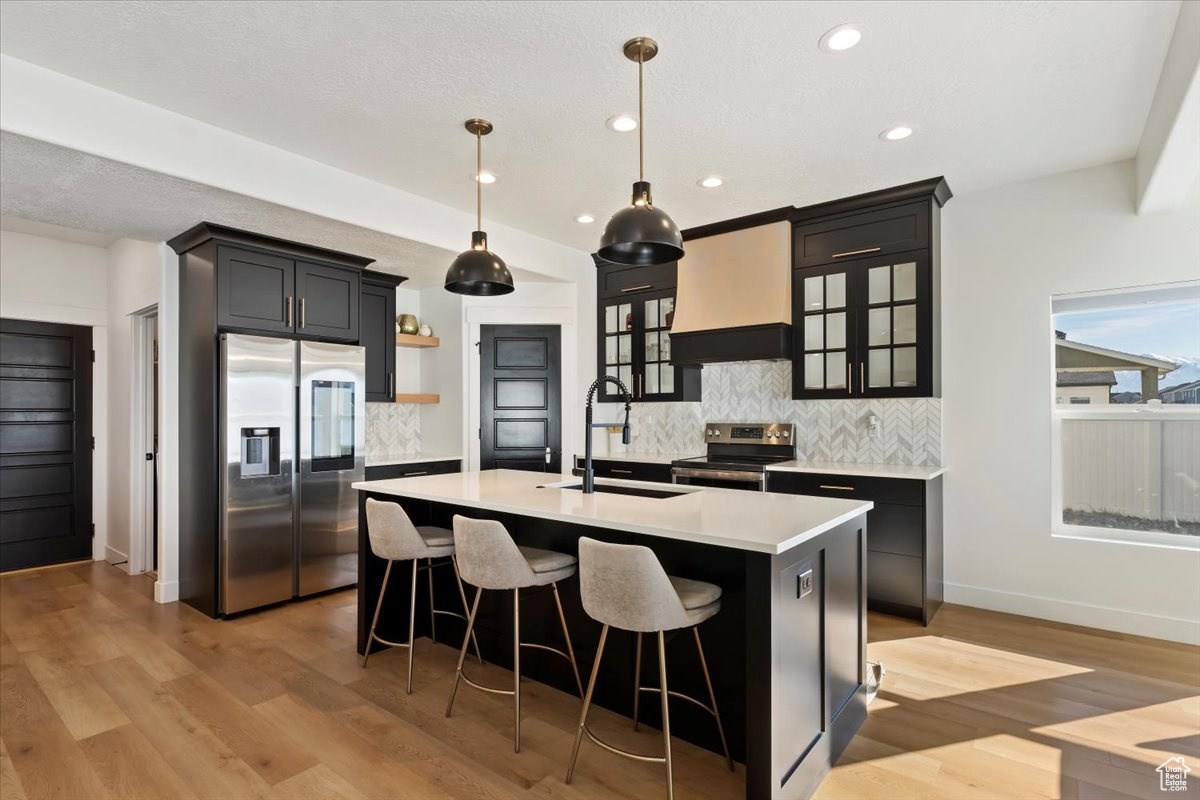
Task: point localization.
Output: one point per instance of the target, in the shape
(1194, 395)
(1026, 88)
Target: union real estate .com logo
(1172, 775)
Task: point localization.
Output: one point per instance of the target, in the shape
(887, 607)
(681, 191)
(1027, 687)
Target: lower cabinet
(387, 471)
(629, 470)
(904, 536)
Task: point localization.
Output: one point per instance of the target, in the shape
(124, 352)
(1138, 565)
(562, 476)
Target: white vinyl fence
(1139, 468)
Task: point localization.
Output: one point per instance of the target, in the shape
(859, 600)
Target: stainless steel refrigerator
(292, 443)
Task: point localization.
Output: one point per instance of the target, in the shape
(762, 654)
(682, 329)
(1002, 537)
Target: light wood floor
(104, 693)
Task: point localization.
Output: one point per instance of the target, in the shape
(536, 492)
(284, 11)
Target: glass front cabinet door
(635, 347)
(864, 328)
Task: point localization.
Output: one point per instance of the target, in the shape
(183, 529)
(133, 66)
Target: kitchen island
(787, 649)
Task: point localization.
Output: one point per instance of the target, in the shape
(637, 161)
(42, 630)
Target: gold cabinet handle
(622, 471)
(301, 312)
(849, 383)
(856, 252)
(639, 288)
(839, 488)
(415, 474)
(862, 372)
(288, 312)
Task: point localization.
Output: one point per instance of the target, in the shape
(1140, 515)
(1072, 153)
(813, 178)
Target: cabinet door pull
(628, 289)
(622, 471)
(391, 383)
(415, 474)
(862, 376)
(856, 252)
(839, 488)
(301, 312)
(288, 312)
(849, 385)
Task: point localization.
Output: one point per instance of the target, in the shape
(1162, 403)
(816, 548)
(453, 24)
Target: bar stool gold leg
(712, 698)
(666, 714)
(432, 615)
(387, 573)
(517, 670)
(637, 680)
(562, 618)
(412, 618)
(462, 654)
(466, 609)
(587, 702)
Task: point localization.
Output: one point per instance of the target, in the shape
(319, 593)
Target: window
(1126, 418)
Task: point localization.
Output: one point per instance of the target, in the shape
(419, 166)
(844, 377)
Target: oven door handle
(745, 476)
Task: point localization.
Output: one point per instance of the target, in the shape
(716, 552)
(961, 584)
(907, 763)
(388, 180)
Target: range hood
(733, 298)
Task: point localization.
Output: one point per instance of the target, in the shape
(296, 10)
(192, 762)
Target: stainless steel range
(738, 455)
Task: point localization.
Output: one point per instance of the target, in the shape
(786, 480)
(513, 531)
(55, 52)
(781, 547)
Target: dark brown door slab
(520, 392)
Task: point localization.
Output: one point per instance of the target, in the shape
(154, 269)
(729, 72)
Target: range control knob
(787, 434)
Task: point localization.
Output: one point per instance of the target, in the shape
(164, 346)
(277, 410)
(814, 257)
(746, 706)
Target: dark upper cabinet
(326, 302)
(262, 292)
(865, 311)
(864, 328)
(255, 291)
(377, 333)
(635, 310)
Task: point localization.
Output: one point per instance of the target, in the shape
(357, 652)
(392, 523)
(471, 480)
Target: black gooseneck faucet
(589, 476)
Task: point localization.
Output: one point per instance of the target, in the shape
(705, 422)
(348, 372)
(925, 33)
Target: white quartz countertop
(418, 458)
(859, 470)
(642, 458)
(756, 521)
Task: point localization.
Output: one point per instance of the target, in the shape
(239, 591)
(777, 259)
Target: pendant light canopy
(479, 271)
(640, 234)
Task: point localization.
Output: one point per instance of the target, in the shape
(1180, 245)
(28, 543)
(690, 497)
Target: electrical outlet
(804, 583)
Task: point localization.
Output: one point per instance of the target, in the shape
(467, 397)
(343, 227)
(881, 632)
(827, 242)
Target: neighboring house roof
(1180, 387)
(1077, 357)
(1086, 379)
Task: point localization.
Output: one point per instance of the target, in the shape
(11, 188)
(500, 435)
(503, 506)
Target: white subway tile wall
(393, 430)
(909, 430)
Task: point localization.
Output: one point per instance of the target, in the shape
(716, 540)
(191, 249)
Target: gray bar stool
(624, 586)
(490, 559)
(395, 538)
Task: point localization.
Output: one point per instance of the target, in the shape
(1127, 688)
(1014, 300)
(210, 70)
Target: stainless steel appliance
(738, 454)
(292, 443)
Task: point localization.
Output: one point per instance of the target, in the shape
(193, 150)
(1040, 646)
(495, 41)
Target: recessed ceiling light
(622, 123)
(711, 182)
(585, 219)
(485, 177)
(843, 37)
(896, 133)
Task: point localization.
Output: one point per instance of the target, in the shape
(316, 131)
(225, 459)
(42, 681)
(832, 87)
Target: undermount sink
(635, 491)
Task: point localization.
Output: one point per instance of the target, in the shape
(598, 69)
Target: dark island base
(787, 670)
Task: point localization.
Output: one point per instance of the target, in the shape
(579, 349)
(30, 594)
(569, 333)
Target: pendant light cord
(478, 180)
(641, 127)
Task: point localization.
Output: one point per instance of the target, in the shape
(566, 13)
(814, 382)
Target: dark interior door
(520, 397)
(45, 443)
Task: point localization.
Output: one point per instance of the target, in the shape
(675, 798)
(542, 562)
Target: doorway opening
(144, 435)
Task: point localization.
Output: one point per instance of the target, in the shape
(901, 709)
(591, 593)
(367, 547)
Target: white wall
(1006, 251)
(50, 280)
(133, 284)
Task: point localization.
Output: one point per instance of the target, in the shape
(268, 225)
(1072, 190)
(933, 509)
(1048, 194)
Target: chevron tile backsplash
(909, 429)
(393, 430)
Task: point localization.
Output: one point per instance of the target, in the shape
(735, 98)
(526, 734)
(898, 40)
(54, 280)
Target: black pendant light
(479, 271)
(640, 234)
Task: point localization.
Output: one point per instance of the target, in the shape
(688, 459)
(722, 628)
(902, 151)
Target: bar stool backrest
(392, 534)
(625, 586)
(487, 555)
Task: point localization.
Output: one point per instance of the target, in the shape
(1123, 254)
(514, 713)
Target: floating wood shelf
(424, 399)
(412, 340)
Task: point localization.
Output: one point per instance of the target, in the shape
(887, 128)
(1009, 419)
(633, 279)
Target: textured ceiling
(81, 192)
(997, 91)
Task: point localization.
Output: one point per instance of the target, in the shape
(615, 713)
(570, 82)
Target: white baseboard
(1137, 623)
(115, 557)
(166, 592)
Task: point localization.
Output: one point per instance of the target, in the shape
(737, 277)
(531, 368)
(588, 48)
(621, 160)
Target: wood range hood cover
(733, 299)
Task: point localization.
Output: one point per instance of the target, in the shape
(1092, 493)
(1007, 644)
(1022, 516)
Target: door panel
(520, 391)
(328, 301)
(377, 333)
(255, 291)
(45, 443)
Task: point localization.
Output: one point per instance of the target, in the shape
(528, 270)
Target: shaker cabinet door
(377, 314)
(327, 302)
(255, 291)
